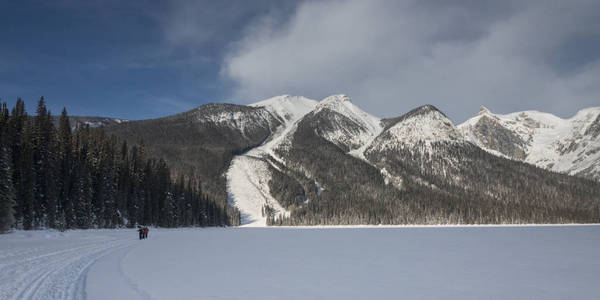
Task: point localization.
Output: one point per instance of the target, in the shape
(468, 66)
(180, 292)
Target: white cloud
(391, 56)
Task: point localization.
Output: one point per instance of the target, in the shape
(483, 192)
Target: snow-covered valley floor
(558, 262)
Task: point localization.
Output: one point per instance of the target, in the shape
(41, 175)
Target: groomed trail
(54, 265)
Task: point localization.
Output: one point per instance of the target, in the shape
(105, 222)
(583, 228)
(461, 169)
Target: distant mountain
(570, 146)
(346, 166)
(93, 122)
(293, 160)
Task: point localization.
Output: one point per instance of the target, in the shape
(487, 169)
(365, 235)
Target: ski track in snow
(52, 270)
(326, 262)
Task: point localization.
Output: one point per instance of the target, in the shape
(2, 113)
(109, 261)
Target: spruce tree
(82, 188)
(84, 178)
(45, 167)
(7, 193)
(65, 184)
(15, 140)
(26, 181)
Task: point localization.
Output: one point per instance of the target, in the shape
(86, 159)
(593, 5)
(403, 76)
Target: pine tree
(164, 198)
(65, 153)
(81, 179)
(15, 130)
(124, 182)
(27, 179)
(82, 192)
(7, 193)
(44, 166)
(109, 185)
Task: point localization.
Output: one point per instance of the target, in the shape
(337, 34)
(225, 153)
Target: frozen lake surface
(555, 262)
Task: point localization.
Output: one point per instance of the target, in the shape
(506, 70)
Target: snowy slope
(287, 108)
(424, 134)
(248, 176)
(248, 189)
(570, 146)
(336, 118)
(414, 133)
(424, 125)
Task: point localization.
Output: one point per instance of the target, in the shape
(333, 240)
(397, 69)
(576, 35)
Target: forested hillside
(310, 163)
(419, 170)
(202, 141)
(54, 177)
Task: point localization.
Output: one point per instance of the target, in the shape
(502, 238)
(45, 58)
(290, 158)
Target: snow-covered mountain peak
(587, 117)
(423, 110)
(594, 127)
(588, 112)
(287, 108)
(569, 145)
(343, 105)
(338, 120)
(336, 98)
(424, 126)
(425, 123)
(483, 110)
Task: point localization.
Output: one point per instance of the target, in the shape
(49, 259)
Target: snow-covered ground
(558, 262)
(51, 264)
(248, 188)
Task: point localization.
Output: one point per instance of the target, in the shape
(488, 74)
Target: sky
(147, 59)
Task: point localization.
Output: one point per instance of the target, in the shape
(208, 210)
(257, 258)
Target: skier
(141, 232)
(146, 232)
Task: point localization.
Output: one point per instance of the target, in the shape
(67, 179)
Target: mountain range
(92, 122)
(296, 161)
(570, 146)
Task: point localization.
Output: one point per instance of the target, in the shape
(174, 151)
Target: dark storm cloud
(391, 56)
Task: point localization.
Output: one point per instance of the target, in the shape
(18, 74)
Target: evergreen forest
(64, 177)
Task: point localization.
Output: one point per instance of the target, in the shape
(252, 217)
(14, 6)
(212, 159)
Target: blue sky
(119, 58)
(144, 59)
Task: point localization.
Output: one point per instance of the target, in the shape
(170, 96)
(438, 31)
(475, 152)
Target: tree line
(60, 177)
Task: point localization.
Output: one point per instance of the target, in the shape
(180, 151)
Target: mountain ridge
(298, 161)
(569, 146)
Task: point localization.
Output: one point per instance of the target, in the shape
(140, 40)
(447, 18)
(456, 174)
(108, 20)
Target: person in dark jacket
(141, 232)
